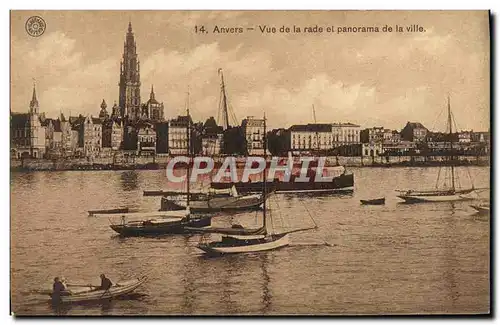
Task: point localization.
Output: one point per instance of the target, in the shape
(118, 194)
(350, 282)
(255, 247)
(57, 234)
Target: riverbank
(152, 163)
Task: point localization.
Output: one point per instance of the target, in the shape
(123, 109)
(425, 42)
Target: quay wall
(160, 162)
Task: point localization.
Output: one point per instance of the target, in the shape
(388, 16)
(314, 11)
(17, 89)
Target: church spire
(129, 26)
(103, 114)
(34, 102)
(152, 94)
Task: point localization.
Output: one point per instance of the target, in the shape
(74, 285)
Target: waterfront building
(161, 137)
(68, 144)
(346, 139)
(91, 137)
(253, 130)
(212, 138)
(414, 132)
(465, 136)
(146, 138)
(344, 134)
(20, 140)
(310, 137)
(371, 149)
(130, 83)
(178, 135)
(112, 134)
(374, 134)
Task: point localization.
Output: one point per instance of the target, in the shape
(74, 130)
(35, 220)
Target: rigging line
(439, 175)
(310, 216)
(437, 119)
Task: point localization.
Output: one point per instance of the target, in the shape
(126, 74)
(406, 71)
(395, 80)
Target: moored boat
(108, 211)
(422, 196)
(380, 201)
(342, 182)
(481, 209)
(160, 223)
(93, 293)
(215, 204)
(446, 193)
(232, 244)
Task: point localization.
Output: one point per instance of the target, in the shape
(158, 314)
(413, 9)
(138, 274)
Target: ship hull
(241, 246)
(160, 229)
(432, 198)
(248, 202)
(340, 183)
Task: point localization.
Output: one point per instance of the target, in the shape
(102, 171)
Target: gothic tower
(130, 84)
(34, 107)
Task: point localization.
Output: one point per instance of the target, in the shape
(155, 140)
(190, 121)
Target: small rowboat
(109, 211)
(482, 209)
(380, 201)
(93, 293)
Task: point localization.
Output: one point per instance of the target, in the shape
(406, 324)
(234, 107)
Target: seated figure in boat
(105, 283)
(59, 288)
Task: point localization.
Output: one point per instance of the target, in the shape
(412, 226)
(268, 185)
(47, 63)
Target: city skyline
(358, 83)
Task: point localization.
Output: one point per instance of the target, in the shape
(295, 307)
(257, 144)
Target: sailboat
(216, 203)
(446, 194)
(164, 222)
(241, 240)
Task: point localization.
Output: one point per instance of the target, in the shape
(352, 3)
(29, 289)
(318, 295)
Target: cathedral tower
(130, 85)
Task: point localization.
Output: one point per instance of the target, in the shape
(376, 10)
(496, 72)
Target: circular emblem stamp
(35, 26)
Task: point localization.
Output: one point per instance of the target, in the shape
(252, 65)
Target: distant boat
(109, 211)
(93, 293)
(445, 194)
(380, 201)
(234, 202)
(482, 209)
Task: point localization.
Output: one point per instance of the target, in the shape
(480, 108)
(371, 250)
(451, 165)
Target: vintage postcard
(250, 163)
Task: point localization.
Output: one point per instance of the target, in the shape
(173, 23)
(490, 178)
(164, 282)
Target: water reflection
(266, 293)
(129, 180)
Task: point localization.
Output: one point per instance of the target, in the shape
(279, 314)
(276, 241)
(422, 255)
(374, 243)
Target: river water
(391, 259)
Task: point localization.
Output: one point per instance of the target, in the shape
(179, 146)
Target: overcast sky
(372, 79)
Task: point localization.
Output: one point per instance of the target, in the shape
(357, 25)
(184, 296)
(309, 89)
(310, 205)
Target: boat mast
(317, 133)
(225, 114)
(451, 147)
(188, 147)
(265, 178)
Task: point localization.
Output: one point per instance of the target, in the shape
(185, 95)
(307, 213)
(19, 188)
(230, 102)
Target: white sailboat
(445, 194)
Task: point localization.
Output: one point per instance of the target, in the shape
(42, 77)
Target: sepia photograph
(250, 162)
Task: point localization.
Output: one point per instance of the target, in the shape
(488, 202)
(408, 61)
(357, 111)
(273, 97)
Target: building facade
(92, 136)
(178, 135)
(344, 134)
(146, 139)
(414, 132)
(310, 137)
(253, 129)
(112, 134)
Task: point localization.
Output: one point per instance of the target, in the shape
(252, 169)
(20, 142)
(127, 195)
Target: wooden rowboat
(482, 209)
(108, 211)
(93, 293)
(380, 201)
